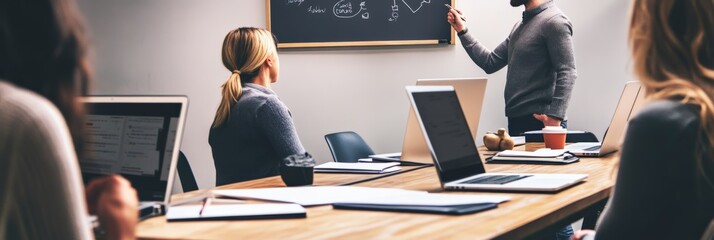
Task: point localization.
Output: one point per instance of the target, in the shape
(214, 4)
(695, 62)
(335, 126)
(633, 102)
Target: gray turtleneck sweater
(256, 139)
(541, 62)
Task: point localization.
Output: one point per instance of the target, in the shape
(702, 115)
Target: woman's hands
(116, 205)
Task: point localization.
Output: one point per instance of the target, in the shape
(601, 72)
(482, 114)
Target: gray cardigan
(541, 62)
(258, 135)
(41, 191)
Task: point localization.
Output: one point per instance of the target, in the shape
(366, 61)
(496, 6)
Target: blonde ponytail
(244, 52)
(232, 90)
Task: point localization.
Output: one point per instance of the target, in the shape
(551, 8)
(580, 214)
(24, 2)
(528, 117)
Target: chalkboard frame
(451, 41)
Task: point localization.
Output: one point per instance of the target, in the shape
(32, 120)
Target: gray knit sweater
(41, 191)
(256, 139)
(541, 62)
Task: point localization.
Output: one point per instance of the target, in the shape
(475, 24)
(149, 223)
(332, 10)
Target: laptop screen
(454, 150)
(135, 140)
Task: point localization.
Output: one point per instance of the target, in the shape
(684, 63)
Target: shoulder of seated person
(260, 99)
(22, 107)
(667, 114)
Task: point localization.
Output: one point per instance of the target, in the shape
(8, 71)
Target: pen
(206, 202)
(450, 7)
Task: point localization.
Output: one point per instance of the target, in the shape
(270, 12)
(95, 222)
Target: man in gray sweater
(541, 67)
(541, 64)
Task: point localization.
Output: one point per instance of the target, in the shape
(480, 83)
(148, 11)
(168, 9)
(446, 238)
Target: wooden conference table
(523, 216)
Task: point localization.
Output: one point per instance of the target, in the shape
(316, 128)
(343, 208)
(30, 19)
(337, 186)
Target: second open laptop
(454, 153)
(137, 137)
(630, 101)
(414, 148)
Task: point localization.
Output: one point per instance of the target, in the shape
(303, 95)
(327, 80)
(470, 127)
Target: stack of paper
(362, 167)
(234, 212)
(539, 156)
(312, 196)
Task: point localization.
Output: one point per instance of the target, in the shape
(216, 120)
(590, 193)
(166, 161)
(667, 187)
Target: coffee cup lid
(554, 129)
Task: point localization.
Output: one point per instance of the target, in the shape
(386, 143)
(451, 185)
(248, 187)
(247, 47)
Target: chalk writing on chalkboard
(345, 9)
(356, 9)
(320, 23)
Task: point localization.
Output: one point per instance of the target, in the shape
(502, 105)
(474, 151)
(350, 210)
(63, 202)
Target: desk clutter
(341, 197)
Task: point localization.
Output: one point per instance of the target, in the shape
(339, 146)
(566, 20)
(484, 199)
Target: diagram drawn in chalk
(345, 9)
(395, 12)
(411, 3)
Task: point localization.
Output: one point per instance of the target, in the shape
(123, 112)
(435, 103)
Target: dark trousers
(518, 125)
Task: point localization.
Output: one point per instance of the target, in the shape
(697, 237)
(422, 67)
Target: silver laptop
(138, 138)
(414, 148)
(454, 151)
(631, 100)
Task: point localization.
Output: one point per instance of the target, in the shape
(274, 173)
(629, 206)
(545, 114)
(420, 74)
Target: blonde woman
(253, 135)
(665, 187)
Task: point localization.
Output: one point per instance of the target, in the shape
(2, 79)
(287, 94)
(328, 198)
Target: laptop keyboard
(496, 179)
(593, 148)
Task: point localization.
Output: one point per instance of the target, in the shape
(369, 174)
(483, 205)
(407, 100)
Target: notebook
(540, 156)
(138, 137)
(436, 203)
(414, 148)
(454, 151)
(632, 97)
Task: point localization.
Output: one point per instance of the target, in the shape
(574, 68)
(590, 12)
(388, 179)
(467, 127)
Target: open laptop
(138, 138)
(414, 148)
(454, 151)
(631, 100)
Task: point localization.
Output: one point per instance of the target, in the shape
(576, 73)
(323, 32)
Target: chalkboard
(329, 23)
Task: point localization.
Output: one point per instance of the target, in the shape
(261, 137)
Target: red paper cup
(554, 137)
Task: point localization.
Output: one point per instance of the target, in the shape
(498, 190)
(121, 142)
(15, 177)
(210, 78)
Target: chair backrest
(347, 146)
(188, 181)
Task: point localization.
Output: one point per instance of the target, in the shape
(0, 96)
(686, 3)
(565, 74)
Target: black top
(658, 194)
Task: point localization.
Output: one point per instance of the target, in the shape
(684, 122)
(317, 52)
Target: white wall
(173, 47)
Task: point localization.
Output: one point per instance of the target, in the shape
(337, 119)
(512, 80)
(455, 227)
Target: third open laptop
(138, 138)
(414, 147)
(630, 101)
(454, 153)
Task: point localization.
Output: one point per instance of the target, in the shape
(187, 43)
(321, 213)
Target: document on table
(311, 196)
(323, 195)
(234, 212)
(360, 167)
(540, 153)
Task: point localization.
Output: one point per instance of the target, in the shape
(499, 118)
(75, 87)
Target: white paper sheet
(313, 196)
(543, 153)
(232, 210)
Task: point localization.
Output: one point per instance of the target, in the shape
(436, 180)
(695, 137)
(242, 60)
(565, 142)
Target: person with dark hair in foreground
(43, 69)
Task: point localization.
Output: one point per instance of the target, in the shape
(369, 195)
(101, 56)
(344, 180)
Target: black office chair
(188, 181)
(347, 146)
